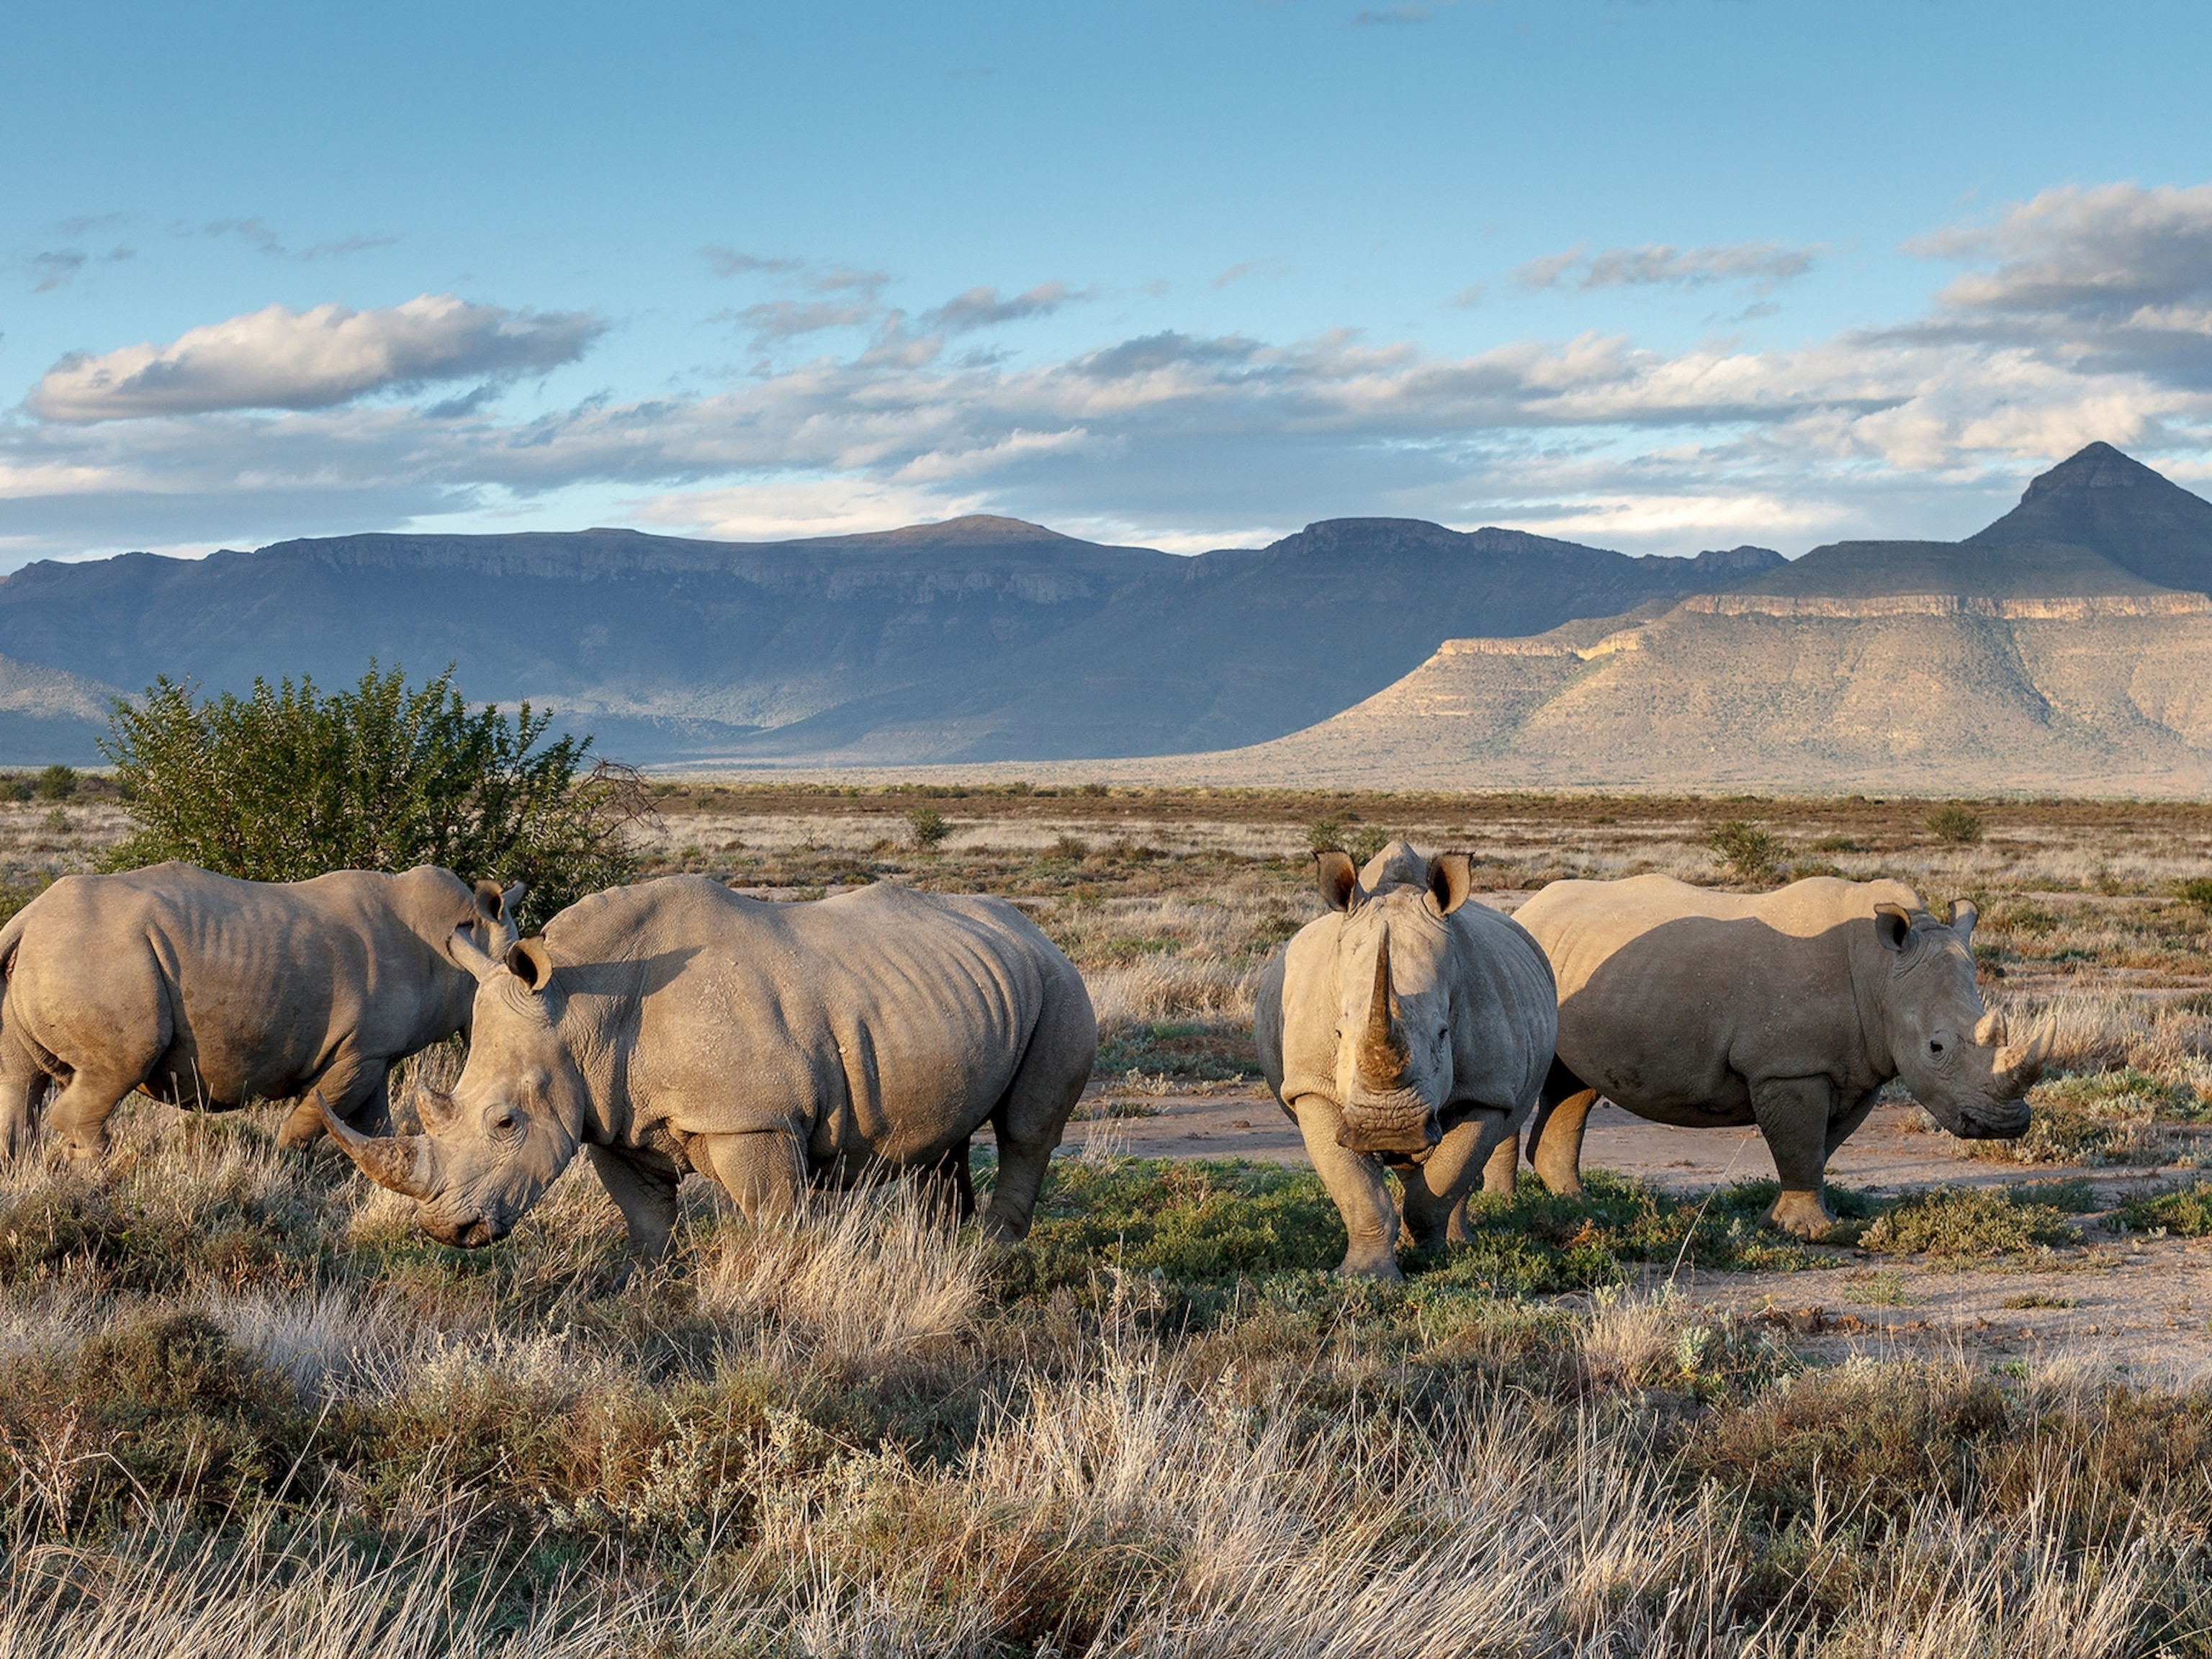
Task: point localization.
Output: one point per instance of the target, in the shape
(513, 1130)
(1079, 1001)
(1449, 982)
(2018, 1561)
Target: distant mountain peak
(2095, 466)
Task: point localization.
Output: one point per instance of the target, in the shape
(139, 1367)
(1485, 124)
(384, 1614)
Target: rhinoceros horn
(2018, 1068)
(399, 1162)
(434, 1106)
(1382, 1052)
(1990, 1032)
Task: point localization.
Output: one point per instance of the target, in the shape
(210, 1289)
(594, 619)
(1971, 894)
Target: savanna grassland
(247, 1408)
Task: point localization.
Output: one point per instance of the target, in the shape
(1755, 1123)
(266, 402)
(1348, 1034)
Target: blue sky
(1659, 276)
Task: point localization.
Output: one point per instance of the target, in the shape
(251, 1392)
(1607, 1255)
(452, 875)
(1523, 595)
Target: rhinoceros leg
(23, 1084)
(1436, 1189)
(646, 1198)
(1502, 1167)
(1355, 1181)
(765, 1171)
(1555, 1137)
(1794, 1115)
(1031, 1116)
(358, 1092)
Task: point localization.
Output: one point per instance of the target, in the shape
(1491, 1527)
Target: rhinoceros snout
(472, 1235)
(2009, 1123)
(1416, 1140)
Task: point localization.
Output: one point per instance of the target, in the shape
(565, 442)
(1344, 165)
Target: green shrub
(1371, 839)
(289, 783)
(1956, 824)
(1748, 851)
(57, 783)
(1967, 1221)
(1323, 834)
(2185, 1211)
(2196, 891)
(928, 826)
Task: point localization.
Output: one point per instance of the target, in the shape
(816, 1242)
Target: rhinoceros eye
(504, 1123)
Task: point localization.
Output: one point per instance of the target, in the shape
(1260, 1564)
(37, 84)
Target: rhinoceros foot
(1802, 1215)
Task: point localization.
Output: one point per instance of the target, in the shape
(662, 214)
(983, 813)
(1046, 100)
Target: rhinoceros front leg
(1436, 1189)
(765, 1171)
(1355, 1181)
(646, 1198)
(1794, 1115)
(358, 1090)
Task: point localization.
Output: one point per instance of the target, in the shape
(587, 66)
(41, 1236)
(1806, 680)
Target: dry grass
(247, 1408)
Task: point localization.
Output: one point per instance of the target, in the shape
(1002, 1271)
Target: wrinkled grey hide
(1408, 1028)
(209, 991)
(1787, 1010)
(675, 1025)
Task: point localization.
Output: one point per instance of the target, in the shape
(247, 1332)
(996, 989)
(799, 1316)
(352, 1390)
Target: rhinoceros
(206, 991)
(1407, 1027)
(675, 1025)
(1786, 1010)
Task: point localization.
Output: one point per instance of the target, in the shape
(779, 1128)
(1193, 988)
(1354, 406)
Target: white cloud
(1188, 439)
(1761, 264)
(278, 358)
(981, 307)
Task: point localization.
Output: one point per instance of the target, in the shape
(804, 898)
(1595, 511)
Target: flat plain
(246, 1407)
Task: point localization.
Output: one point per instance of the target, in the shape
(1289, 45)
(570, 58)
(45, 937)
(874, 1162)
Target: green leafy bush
(1372, 839)
(289, 783)
(2196, 891)
(1957, 825)
(1968, 1221)
(928, 825)
(1324, 834)
(57, 783)
(1748, 851)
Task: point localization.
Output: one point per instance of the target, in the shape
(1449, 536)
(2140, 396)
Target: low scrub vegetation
(246, 1408)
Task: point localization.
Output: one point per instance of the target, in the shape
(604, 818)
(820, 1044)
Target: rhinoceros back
(888, 1022)
(1670, 995)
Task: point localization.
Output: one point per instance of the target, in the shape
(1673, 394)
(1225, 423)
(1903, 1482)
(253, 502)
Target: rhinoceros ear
(1337, 877)
(1892, 925)
(488, 900)
(529, 961)
(1451, 879)
(1963, 918)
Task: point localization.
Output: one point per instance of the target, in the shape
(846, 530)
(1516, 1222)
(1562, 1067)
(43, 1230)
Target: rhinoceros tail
(11, 935)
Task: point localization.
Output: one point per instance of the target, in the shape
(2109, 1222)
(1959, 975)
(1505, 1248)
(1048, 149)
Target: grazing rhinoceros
(1410, 1027)
(206, 991)
(675, 1025)
(1788, 1010)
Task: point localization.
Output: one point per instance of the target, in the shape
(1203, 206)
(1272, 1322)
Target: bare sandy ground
(2141, 1306)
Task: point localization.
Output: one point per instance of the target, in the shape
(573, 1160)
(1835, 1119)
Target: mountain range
(976, 640)
(2066, 648)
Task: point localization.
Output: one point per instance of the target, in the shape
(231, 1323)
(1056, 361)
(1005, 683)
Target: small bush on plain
(1955, 825)
(56, 783)
(1748, 851)
(928, 826)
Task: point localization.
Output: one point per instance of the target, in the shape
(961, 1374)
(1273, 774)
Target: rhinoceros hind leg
(1794, 1115)
(764, 1171)
(23, 1085)
(79, 1109)
(1355, 1181)
(1555, 1139)
(1032, 1116)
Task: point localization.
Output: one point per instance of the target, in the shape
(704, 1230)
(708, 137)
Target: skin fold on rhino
(1787, 1010)
(674, 1025)
(209, 991)
(1408, 1028)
